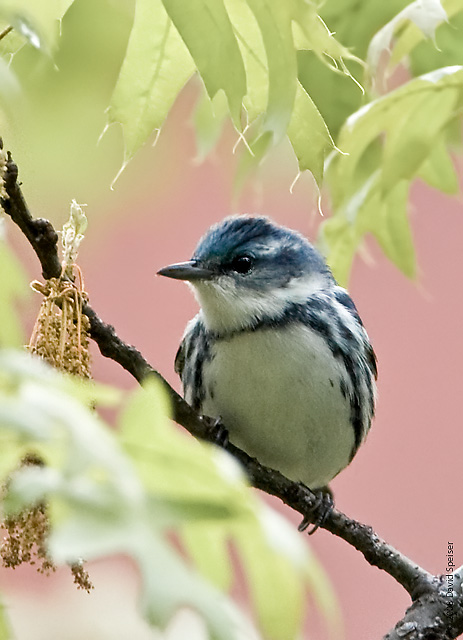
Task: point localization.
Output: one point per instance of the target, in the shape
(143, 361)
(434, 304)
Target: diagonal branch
(434, 616)
(424, 588)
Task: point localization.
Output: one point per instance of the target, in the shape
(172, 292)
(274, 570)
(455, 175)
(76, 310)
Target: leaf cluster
(317, 76)
(127, 491)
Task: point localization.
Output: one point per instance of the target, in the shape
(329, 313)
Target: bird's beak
(190, 271)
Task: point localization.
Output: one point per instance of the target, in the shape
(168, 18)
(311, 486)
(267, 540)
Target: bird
(278, 352)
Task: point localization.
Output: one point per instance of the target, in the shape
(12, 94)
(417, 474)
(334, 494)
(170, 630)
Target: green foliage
(5, 630)
(243, 48)
(54, 120)
(420, 21)
(386, 144)
(155, 68)
(209, 118)
(277, 70)
(279, 62)
(124, 493)
(444, 49)
(34, 23)
(207, 32)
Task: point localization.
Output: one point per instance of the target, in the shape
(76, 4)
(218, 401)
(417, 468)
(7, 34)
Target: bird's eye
(242, 264)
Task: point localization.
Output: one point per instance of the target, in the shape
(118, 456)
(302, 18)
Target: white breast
(279, 394)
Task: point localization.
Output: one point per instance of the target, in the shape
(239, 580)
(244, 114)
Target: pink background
(405, 481)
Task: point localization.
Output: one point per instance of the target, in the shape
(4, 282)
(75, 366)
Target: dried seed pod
(81, 577)
(26, 538)
(61, 331)
(26, 533)
(61, 337)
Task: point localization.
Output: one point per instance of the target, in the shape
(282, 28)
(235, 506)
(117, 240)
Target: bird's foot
(219, 433)
(319, 512)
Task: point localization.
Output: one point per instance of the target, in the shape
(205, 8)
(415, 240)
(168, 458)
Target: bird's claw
(319, 512)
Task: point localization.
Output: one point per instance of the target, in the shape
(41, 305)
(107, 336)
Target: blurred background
(405, 480)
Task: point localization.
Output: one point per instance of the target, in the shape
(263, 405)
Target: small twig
(424, 588)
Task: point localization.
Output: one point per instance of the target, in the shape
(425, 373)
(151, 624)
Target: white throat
(227, 306)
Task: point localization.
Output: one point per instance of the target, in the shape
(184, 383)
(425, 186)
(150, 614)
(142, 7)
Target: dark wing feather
(194, 350)
(179, 362)
(344, 298)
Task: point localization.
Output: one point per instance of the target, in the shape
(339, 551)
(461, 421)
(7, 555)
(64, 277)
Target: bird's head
(247, 268)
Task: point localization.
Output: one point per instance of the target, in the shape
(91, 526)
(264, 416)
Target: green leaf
(384, 214)
(209, 119)
(276, 591)
(279, 569)
(422, 118)
(425, 57)
(323, 71)
(249, 38)
(309, 135)
(213, 507)
(207, 546)
(306, 129)
(14, 366)
(100, 521)
(312, 33)
(335, 94)
(97, 503)
(11, 452)
(242, 49)
(354, 23)
(206, 29)
(395, 118)
(324, 596)
(103, 502)
(156, 66)
(427, 16)
(89, 392)
(37, 23)
(168, 588)
(438, 170)
(5, 628)
(274, 20)
(390, 225)
(203, 479)
(338, 241)
(411, 38)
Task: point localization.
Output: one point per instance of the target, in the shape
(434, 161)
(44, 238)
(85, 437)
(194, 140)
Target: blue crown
(268, 243)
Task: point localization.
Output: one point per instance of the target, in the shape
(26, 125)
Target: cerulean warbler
(278, 351)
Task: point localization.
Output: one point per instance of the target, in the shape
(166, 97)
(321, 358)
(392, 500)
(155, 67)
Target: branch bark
(433, 615)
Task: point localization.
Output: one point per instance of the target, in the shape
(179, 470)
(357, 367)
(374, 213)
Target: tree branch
(430, 599)
(434, 616)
